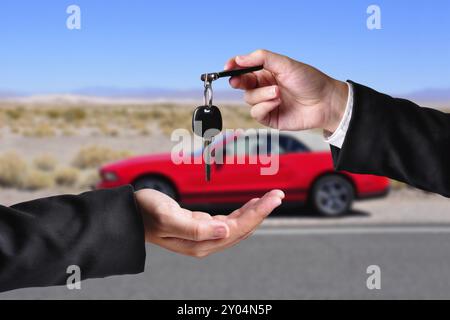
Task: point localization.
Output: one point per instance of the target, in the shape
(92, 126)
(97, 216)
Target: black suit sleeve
(99, 231)
(398, 139)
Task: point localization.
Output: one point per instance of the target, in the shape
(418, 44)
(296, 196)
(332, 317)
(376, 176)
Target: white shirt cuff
(338, 137)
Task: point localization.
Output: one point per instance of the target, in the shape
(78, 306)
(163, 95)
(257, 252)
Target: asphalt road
(289, 263)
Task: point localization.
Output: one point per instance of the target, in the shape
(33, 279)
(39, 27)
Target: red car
(304, 176)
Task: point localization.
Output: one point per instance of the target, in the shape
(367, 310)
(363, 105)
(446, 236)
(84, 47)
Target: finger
(262, 94)
(230, 64)
(238, 212)
(201, 215)
(258, 211)
(185, 212)
(245, 236)
(261, 110)
(206, 248)
(250, 203)
(220, 217)
(278, 193)
(244, 82)
(189, 228)
(272, 62)
(246, 206)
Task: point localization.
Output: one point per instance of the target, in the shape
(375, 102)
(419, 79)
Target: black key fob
(206, 118)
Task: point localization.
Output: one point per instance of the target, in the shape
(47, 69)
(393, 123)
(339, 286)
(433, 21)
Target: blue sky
(168, 44)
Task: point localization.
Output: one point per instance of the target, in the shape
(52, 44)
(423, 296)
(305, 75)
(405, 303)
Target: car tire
(332, 195)
(156, 183)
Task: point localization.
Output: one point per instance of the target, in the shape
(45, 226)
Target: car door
(252, 165)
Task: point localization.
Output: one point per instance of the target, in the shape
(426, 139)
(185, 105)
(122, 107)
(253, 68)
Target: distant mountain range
(433, 96)
(9, 94)
(157, 94)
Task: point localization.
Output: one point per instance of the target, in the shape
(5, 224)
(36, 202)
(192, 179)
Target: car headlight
(109, 176)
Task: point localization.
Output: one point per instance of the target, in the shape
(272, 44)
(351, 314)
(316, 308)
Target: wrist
(145, 217)
(337, 102)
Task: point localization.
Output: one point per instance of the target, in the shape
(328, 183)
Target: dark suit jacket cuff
(362, 139)
(121, 248)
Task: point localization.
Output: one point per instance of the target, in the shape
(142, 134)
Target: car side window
(290, 144)
(252, 145)
(269, 146)
(260, 144)
(243, 145)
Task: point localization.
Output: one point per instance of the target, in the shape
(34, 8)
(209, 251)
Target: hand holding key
(289, 95)
(196, 233)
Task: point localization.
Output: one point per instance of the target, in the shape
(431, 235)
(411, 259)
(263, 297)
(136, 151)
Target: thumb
(273, 62)
(189, 228)
(254, 213)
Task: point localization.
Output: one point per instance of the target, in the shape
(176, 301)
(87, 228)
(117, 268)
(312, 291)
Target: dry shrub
(45, 162)
(67, 132)
(40, 131)
(15, 129)
(15, 113)
(156, 114)
(140, 126)
(12, 170)
(144, 132)
(74, 114)
(103, 126)
(176, 119)
(108, 131)
(137, 124)
(89, 179)
(53, 113)
(238, 117)
(95, 156)
(14, 173)
(37, 179)
(66, 176)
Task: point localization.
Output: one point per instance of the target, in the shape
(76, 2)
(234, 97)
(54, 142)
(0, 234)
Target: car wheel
(155, 183)
(332, 195)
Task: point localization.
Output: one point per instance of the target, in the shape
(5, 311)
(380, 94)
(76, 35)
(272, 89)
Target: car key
(207, 123)
(207, 119)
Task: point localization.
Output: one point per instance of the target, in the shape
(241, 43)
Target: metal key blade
(207, 160)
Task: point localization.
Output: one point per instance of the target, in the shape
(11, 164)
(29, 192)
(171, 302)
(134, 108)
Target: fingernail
(219, 232)
(278, 202)
(274, 91)
(240, 57)
(234, 82)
